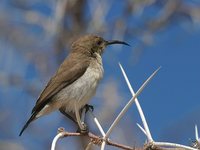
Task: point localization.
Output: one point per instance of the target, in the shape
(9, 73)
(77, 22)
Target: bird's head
(93, 44)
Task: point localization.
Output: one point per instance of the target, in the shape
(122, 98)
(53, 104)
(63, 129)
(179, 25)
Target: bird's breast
(82, 90)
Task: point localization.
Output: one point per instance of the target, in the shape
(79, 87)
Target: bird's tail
(33, 117)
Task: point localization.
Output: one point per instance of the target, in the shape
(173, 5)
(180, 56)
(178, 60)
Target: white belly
(80, 91)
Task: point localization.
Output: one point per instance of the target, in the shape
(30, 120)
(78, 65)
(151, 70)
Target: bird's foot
(84, 129)
(89, 107)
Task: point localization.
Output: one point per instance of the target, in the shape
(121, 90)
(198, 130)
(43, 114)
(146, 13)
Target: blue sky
(170, 102)
(173, 95)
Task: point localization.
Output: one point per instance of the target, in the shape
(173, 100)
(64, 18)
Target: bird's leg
(81, 125)
(83, 113)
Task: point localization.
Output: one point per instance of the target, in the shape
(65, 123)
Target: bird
(76, 80)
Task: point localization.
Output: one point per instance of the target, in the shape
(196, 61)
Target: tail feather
(27, 123)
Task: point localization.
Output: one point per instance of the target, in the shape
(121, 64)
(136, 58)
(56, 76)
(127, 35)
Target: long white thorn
(124, 110)
(103, 145)
(141, 128)
(89, 146)
(148, 133)
(196, 133)
(97, 124)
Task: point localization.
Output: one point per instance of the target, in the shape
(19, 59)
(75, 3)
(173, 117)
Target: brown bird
(75, 81)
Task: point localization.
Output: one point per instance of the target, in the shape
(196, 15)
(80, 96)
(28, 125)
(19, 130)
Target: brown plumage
(76, 77)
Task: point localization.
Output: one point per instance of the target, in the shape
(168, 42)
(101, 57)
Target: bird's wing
(68, 72)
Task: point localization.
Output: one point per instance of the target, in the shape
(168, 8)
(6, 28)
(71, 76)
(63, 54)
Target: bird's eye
(99, 42)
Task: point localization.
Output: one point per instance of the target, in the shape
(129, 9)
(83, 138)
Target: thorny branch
(96, 140)
(150, 145)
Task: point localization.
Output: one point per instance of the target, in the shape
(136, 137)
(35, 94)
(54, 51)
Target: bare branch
(94, 139)
(174, 145)
(56, 138)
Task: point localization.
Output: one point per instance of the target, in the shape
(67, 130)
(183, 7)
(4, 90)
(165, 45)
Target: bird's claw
(84, 129)
(89, 107)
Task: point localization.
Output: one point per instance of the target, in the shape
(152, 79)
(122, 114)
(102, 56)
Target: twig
(173, 145)
(94, 139)
(59, 135)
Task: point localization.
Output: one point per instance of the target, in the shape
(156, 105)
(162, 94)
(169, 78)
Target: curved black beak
(116, 42)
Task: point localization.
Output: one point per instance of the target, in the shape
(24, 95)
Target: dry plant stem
(94, 138)
(173, 145)
(148, 134)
